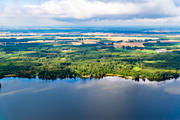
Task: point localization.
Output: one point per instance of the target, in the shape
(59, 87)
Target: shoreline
(87, 77)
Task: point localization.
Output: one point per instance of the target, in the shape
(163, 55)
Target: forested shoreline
(93, 58)
(86, 64)
(95, 72)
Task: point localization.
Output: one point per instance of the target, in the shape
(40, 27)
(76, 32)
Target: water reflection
(76, 99)
(12, 92)
(11, 85)
(173, 90)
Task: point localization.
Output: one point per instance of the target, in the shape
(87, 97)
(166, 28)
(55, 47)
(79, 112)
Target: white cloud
(92, 12)
(82, 9)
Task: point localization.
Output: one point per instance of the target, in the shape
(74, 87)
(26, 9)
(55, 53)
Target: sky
(81, 13)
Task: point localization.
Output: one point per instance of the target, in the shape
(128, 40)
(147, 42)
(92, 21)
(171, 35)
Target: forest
(94, 58)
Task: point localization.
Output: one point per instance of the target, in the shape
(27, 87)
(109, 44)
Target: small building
(161, 51)
(90, 41)
(76, 43)
(124, 44)
(152, 42)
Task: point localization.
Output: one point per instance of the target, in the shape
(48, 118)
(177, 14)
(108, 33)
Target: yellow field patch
(128, 38)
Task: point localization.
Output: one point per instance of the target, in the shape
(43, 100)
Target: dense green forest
(56, 60)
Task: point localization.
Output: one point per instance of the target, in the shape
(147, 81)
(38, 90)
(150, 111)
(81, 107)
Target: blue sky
(90, 13)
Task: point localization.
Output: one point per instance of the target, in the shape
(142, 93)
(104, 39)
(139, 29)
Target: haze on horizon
(89, 13)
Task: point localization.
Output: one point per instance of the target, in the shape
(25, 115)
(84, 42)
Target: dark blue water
(126, 30)
(110, 98)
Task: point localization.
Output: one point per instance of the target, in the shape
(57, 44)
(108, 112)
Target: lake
(110, 98)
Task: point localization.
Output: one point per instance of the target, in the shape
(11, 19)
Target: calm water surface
(110, 98)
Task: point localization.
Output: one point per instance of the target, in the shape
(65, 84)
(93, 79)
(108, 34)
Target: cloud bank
(92, 13)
